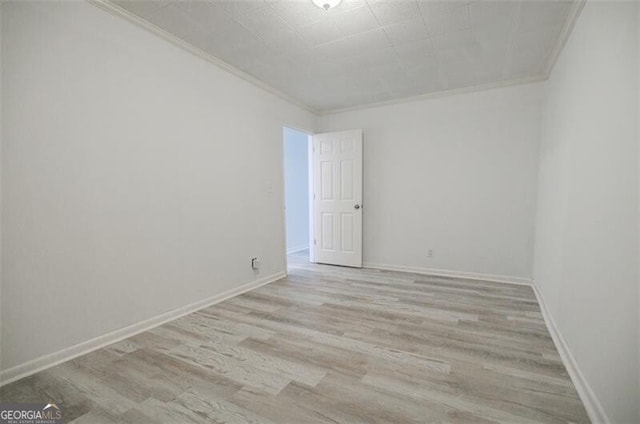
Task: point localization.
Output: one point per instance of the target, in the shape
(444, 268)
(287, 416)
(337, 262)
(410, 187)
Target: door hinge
(314, 242)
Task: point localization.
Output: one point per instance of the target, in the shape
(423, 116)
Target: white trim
(135, 19)
(283, 184)
(47, 361)
(507, 279)
(297, 128)
(438, 94)
(311, 200)
(297, 249)
(591, 403)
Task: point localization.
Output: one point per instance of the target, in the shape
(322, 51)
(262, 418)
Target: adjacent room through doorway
(297, 199)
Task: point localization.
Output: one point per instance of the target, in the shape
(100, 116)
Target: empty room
(319, 211)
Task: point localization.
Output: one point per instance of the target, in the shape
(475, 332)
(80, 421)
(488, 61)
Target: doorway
(323, 197)
(297, 151)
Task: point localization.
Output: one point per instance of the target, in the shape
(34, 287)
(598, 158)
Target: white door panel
(337, 211)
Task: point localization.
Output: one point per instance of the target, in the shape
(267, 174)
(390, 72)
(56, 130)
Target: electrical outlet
(255, 263)
(430, 253)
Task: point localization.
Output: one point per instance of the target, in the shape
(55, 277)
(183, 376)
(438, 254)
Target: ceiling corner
(567, 29)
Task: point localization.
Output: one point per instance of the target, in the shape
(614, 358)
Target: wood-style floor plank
(328, 345)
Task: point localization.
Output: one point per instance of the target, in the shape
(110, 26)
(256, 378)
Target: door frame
(312, 234)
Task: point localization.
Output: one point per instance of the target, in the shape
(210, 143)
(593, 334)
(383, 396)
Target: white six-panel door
(337, 198)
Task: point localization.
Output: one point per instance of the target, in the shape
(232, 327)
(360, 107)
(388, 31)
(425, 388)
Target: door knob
(356, 207)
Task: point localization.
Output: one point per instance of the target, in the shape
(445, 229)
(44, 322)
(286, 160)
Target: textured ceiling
(368, 51)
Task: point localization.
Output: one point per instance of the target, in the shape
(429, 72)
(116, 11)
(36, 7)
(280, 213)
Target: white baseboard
(448, 273)
(591, 403)
(47, 361)
(297, 249)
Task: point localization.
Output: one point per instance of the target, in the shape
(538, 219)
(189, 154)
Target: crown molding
(441, 93)
(576, 9)
(113, 8)
(567, 29)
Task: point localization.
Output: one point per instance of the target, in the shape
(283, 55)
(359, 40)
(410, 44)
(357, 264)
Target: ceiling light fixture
(326, 4)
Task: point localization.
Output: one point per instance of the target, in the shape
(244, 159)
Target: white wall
(1, 71)
(638, 173)
(586, 254)
(296, 179)
(136, 177)
(455, 174)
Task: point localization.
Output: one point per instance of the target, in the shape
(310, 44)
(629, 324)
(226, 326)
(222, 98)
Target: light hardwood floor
(329, 345)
